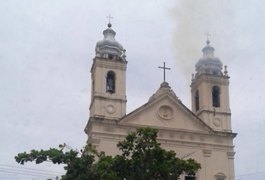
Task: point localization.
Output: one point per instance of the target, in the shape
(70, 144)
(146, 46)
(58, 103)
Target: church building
(203, 132)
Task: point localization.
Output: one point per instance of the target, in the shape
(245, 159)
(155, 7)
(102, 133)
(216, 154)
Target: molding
(231, 155)
(179, 138)
(174, 143)
(201, 134)
(108, 63)
(101, 119)
(213, 112)
(220, 175)
(106, 95)
(99, 97)
(211, 79)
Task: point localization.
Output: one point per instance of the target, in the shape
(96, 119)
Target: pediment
(166, 111)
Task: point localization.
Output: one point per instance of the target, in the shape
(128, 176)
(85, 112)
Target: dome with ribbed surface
(109, 47)
(209, 64)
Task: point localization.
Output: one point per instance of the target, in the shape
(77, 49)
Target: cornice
(169, 142)
(213, 112)
(211, 79)
(182, 137)
(108, 63)
(103, 97)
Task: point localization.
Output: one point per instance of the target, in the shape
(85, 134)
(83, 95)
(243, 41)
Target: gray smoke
(194, 18)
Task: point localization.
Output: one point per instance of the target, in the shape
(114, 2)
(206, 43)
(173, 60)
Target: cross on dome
(208, 35)
(109, 17)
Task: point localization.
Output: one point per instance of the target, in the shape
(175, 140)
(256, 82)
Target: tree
(142, 158)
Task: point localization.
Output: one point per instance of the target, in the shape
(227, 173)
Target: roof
(165, 110)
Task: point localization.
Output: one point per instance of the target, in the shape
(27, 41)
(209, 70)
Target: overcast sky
(47, 47)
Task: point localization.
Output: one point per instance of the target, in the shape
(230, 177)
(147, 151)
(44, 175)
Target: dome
(109, 47)
(209, 64)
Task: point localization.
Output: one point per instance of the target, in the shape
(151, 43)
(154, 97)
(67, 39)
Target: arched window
(110, 82)
(93, 86)
(197, 100)
(216, 96)
(220, 176)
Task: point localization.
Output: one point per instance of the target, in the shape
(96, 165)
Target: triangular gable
(166, 111)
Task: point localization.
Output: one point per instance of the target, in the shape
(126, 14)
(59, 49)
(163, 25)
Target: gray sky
(46, 51)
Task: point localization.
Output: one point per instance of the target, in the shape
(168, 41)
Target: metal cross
(109, 17)
(164, 68)
(208, 35)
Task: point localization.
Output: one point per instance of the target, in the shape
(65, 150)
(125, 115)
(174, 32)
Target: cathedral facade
(203, 133)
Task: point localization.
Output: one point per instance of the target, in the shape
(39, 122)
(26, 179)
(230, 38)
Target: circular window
(110, 109)
(217, 122)
(166, 112)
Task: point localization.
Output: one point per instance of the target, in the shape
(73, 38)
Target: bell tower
(108, 75)
(210, 91)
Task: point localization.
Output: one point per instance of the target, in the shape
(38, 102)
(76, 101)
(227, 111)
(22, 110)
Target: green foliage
(142, 158)
(77, 164)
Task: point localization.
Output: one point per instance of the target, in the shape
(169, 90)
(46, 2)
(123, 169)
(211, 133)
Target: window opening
(110, 84)
(197, 100)
(93, 86)
(216, 96)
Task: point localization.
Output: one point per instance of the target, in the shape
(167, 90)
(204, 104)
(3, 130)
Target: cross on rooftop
(109, 17)
(164, 69)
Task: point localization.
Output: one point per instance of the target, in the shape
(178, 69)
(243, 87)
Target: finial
(109, 17)
(123, 53)
(226, 72)
(207, 35)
